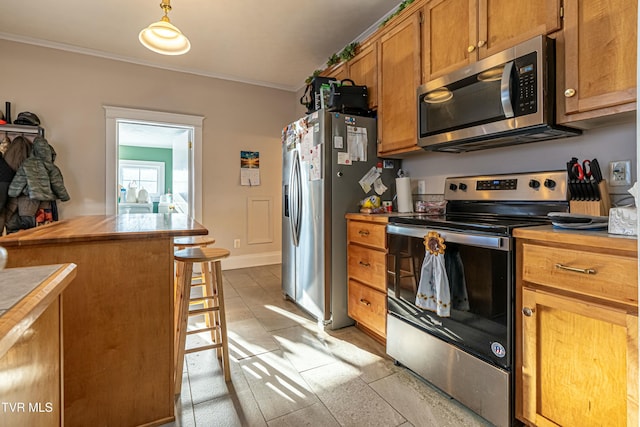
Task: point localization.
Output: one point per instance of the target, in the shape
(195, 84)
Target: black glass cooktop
(481, 223)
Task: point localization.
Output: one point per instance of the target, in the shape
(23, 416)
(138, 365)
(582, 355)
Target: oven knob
(453, 187)
(534, 183)
(549, 183)
(463, 186)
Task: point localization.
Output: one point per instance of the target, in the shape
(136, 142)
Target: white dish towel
(433, 291)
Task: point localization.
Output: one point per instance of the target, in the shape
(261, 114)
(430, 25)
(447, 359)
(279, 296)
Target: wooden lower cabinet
(577, 330)
(366, 253)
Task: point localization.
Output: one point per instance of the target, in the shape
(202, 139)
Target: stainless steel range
(451, 286)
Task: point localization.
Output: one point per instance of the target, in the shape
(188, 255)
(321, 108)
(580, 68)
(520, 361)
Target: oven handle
(492, 242)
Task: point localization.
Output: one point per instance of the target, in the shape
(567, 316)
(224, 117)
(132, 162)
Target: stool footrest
(197, 331)
(204, 347)
(196, 311)
(201, 299)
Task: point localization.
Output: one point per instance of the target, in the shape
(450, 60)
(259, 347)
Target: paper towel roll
(403, 190)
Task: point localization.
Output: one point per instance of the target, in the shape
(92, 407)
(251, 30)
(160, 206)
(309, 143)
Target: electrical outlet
(620, 172)
(236, 243)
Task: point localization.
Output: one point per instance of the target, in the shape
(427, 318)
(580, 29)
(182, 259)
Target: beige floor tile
(311, 416)
(304, 348)
(279, 315)
(248, 338)
(206, 379)
(276, 384)
(236, 310)
(349, 399)
(229, 411)
(422, 404)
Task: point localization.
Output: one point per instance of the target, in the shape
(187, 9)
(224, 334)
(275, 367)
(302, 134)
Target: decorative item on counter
(143, 195)
(387, 205)
(371, 204)
(132, 192)
(624, 220)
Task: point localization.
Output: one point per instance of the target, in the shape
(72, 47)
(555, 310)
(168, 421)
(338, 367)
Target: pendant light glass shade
(163, 37)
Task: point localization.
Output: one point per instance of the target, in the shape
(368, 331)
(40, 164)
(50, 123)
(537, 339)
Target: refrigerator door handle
(295, 199)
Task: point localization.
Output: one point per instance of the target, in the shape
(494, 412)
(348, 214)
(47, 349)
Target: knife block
(593, 207)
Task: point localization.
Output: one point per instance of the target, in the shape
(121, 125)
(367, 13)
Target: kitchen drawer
(368, 266)
(613, 277)
(368, 307)
(366, 233)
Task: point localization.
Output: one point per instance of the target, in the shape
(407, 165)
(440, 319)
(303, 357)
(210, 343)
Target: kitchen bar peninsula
(31, 344)
(118, 312)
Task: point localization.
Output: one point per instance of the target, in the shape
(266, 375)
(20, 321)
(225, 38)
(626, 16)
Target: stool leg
(182, 309)
(223, 323)
(208, 291)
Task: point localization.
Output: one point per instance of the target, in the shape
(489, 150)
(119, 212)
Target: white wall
(68, 91)
(607, 143)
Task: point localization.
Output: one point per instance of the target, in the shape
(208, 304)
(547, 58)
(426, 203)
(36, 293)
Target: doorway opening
(158, 152)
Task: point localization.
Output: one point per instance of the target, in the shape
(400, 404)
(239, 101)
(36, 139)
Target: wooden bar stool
(180, 243)
(210, 258)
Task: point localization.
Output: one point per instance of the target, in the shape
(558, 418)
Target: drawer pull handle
(576, 270)
(528, 311)
(363, 232)
(365, 302)
(364, 264)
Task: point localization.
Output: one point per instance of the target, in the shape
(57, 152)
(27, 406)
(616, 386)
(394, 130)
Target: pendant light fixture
(163, 37)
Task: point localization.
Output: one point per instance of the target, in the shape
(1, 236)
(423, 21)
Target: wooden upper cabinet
(363, 70)
(459, 32)
(445, 50)
(338, 71)
(399, 77)
(505, 23)
(599, 59)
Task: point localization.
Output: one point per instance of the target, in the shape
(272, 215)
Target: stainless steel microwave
(504, 99)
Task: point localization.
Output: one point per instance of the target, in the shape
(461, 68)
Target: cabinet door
(363, 70)
(504, 23)
(445, 50)
(399, 62)
(338, 72)
(600, 57)
(575, 357)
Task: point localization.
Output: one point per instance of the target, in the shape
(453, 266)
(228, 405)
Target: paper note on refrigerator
(368, 179)
(357, 143)
(315, 163)
(306, 145)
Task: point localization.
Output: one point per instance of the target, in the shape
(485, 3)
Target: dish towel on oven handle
(457, 281)
(433, 291)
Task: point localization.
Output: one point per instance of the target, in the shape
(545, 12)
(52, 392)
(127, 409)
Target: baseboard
(252, 260)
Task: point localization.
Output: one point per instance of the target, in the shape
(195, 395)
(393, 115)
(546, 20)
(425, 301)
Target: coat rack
(22, 129)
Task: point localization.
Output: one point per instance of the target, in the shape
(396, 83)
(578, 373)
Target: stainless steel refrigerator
(325, 155)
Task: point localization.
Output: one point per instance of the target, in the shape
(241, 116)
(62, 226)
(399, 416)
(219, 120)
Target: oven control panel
(529, 186)
(497, 184)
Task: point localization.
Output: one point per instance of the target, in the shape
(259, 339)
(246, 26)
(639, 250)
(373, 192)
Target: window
(146, 174)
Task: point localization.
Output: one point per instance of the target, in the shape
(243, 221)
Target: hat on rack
(27, 118)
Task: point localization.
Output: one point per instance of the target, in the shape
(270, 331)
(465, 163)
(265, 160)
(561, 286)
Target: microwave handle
(505, 90)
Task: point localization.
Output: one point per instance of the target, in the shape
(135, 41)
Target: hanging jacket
(38, 177)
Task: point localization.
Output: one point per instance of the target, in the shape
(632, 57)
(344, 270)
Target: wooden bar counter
(31, 344)
(118, 312)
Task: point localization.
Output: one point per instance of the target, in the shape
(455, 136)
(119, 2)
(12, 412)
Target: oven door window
(480, 292)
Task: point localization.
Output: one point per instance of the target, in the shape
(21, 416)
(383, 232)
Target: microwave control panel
(526, 95)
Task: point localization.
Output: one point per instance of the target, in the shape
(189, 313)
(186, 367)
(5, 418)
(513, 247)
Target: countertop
(25, 293)
(376, 217)
(107, 227)
(588, 238)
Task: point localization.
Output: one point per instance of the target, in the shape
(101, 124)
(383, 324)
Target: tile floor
(285, 371)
